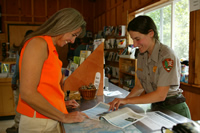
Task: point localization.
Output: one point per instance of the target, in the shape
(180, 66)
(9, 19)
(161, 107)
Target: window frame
(150, 9)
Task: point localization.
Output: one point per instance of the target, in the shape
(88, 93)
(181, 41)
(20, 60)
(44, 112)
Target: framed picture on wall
(16, 32)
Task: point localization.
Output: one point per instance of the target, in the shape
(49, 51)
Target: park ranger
(158, 71)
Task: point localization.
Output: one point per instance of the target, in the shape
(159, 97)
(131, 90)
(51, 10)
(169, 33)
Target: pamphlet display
(85, 73)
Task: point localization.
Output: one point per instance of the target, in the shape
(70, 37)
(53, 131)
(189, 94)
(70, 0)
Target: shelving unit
(127, 73)
(7, 106)
(112, 58)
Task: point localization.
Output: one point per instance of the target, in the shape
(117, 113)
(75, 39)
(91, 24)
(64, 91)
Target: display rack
(127, 73)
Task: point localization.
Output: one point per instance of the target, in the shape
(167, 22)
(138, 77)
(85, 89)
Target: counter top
(94, 126)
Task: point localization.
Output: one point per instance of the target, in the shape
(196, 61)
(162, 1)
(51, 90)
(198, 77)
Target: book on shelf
(110, 56)
(113, 56)
(117, 57)
(76, 60)
(97, 42)
(73, 66)
(81, 60)
(120, 118)
(90, 48)
(85, 53)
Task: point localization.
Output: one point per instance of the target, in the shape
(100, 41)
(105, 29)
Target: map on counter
(93, 126)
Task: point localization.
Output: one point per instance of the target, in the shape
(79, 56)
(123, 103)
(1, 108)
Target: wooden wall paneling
(192, 47)
(26, 19)
(103, 21)
(12, 18)
(144, 4)
(88, 14)
(94, 26)
(52, 7)
(3, 7)
(100, 7)
(99, 23)
(77, 4)
(191, 100)
(26, 8)
(112, 3)
(90, 23)
(108, 4)
(39, 10)
(119, 1)
(88, 9)
(124, 17)
(119, 13)
(113, 17)
(64, 3)
(197, 56)
(97, 10)
(135, 5)
(126, 5)
(103, 6)
(108, 18)
(130, 4)
(12, 7)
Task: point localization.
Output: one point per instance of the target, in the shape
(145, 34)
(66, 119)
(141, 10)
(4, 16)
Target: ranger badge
(168, 64)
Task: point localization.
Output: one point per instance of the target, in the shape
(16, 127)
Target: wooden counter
(7, 106)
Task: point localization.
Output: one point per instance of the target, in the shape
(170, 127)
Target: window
(172, 21)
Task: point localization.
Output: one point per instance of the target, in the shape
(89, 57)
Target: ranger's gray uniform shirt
(162, 68)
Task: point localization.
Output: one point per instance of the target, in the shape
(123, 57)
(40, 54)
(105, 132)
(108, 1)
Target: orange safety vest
(49, 85)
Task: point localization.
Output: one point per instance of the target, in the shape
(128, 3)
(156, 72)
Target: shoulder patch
(168, 64)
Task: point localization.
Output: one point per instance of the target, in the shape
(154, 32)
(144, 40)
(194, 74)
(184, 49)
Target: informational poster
(194, 5)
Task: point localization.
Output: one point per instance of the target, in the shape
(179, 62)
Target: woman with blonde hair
(41, 100)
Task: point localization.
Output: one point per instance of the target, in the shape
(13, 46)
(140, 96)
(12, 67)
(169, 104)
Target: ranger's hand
(114, 105)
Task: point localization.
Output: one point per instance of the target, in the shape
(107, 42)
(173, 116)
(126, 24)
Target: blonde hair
(63, 21)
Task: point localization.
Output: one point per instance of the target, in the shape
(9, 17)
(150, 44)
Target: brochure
(120, 118)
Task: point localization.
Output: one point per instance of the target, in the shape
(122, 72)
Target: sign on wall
(194, 5)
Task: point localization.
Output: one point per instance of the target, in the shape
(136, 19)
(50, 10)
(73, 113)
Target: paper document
(111, 93)
(155, 120)
(120, 118)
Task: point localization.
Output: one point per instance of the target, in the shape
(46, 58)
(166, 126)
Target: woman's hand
(72, 103)
(114, 105)
(74, 117)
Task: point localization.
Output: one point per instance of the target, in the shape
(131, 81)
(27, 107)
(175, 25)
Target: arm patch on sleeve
(168, 64)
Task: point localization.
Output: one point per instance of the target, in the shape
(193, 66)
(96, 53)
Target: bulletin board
(16, 32)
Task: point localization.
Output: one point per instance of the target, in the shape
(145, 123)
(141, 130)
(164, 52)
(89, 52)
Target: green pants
(180, 108)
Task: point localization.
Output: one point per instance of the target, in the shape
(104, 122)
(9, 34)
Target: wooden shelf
(116, 37)
(190, 87)
(7, 99)
(126, 65)
(112, 63)
(127, 73)
(113, 50)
